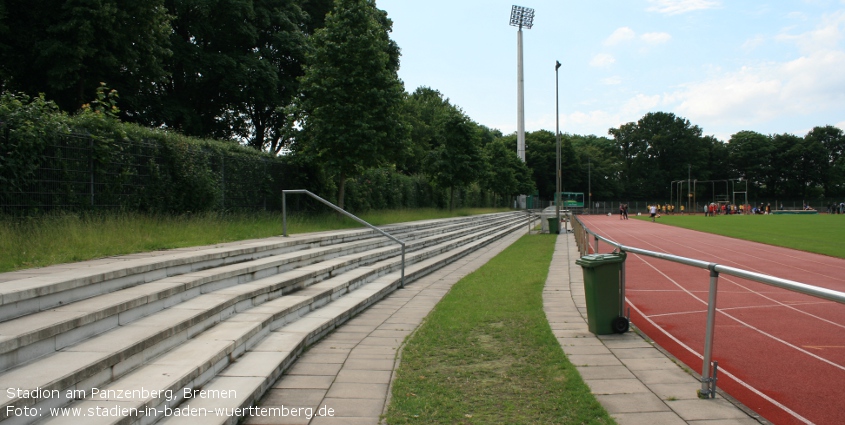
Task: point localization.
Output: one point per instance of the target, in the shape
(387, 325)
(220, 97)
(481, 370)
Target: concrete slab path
(345, 378)
(635, 381)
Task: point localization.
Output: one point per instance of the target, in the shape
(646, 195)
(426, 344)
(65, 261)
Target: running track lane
(780, 353)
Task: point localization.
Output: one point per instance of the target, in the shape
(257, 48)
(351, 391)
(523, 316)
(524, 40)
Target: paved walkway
(631, 378)
(350, 371)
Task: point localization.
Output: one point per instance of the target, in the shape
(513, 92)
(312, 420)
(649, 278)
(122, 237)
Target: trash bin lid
(595, 260)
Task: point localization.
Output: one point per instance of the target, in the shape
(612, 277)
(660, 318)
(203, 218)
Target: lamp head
(522, 17)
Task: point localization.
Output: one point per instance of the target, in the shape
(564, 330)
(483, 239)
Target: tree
(629, 148)
(540, 157)
(352, 97)
(456, 160)
(427, 111)
(66, 48)
(506, 174)
(747, 151)
(234, 71)
(832, 139)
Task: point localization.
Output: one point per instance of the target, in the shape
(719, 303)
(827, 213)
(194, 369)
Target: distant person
(621, 211)
(625, 211)
(653, 211)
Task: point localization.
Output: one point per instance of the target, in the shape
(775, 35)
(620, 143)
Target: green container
(603, 288)
(554, 225)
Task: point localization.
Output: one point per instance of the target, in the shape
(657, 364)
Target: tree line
(317, 81)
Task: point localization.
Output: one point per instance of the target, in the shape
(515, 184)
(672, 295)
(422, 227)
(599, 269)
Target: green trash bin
(604, 292)
(554, 226)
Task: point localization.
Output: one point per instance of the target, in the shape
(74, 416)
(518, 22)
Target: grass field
(63, 238)
(822, 233)
(486, 353)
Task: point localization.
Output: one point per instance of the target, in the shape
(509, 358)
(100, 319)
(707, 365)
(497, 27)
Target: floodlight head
(522, 17)
(557, 65)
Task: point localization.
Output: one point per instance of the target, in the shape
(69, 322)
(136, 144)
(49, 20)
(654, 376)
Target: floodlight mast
(521, 17)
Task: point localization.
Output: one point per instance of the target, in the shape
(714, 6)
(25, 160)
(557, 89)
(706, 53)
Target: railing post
(284, 216)
(91, 168)
(622, 287)
(708, 380)
(402, 285)
(597, 244)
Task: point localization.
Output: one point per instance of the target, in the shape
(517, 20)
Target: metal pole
(402, 285)
(91, 167)
(707, 384)
(589, 184)
(689, 186)
(520, 99)
(284, 216)
(557, 134)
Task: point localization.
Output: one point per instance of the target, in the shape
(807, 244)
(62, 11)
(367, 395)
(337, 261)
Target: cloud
(677, 7)
(803, 86)
(624, 35)
(612, 81)
(602, 60)
(808, 84)
(826, 36)
(620, 35)
(656, 37)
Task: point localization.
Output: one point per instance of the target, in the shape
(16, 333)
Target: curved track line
(723, 370)
(792, 307)
(726, 260)
(749, 326)
(760, 294)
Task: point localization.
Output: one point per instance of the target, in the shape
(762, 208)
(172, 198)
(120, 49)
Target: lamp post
(557, 135)
(520, 17)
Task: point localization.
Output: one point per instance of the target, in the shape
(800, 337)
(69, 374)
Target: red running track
(780, 353)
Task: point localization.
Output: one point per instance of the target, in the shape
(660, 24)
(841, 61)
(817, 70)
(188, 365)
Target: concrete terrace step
(29, 291)
(245, 354)
(38, 334)
(101, 359)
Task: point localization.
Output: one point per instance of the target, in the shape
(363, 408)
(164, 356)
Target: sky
(725, 65)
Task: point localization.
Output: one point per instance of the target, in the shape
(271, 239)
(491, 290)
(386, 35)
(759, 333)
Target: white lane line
(723, 371)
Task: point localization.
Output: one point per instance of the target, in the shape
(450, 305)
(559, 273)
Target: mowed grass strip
(486, 353)
(65, 237)
(819, 233)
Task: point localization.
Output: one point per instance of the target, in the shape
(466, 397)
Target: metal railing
(708, 379)
(344, 212)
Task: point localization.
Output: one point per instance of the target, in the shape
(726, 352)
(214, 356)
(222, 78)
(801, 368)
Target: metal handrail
(708, 381)
(344, 212)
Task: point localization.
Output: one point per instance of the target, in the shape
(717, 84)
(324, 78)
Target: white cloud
(754, 94)
(624, 35)
(602, 60)
(612, 81)
(676, 7)
(753, 42)
(620, 35)
(827, 35)
(640, 104)
(809, 84)
(656, 37)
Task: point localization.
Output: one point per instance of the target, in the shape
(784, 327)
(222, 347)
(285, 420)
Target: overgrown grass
(822, 233)
(486, 353)
(62, 238)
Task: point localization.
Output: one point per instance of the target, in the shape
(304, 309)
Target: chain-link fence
(824, 205)
(82, 172)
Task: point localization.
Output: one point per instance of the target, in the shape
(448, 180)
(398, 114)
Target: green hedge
(52, 160)
(55, 161)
